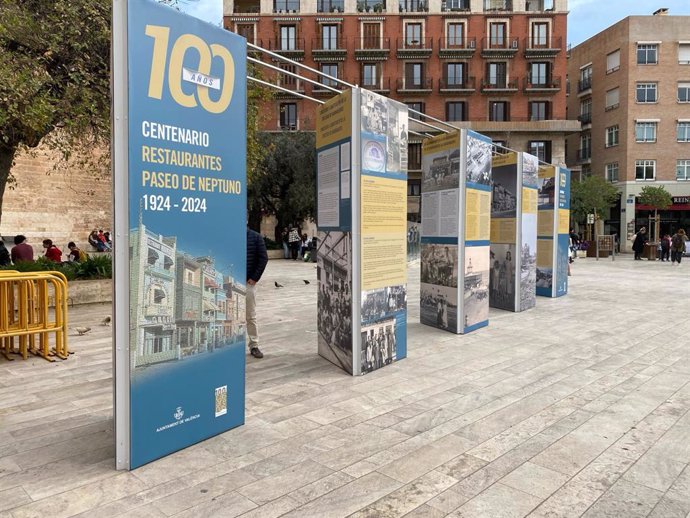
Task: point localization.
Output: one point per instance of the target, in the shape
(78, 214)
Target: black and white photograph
(528, 262)
(530, 170)
(335, 297)
(476, 289)
(440, 264)
(478, 161)
(545, 278)
(374, 113)
(439, 306)
(441, 170)
(502, 276)
(383, 302)
(547, 190)
(396, 139)
(378, 345)
(504, 192)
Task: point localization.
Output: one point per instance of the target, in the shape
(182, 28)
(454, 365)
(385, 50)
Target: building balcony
(584, 156)
(413, 6)
(160, 272)
(289, 83)
(414, 49)
(583, 85)
(292, 48)
(498, 5)
(585, 118)
(464, 86)
(382, 86)
(499, 86)
(455, 5)
(539, 6)
(330, 6)
(461, 48)
(409, 86)
(329, 49)
(246, 7)
(371, 6)
(537, 48)
(325, 87)
(500, 47)
(285, 6)
(372, 48)
(542, 84)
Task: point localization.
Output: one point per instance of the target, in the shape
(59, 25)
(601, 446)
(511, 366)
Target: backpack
(83, 256)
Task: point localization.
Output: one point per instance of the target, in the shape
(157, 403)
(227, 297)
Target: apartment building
(631, 93)
(497, 66)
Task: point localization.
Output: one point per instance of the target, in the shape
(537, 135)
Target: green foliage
(272, 245)
(284, 183)
(55, 88)
(95, 267)
(657, 197)
(593, 195)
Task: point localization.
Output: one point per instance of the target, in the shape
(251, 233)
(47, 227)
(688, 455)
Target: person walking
(284, 240)
(665, 247)
(638, 243)
(257, 259)
(53, 253)
(22, 251)
(294, 241)
(678, 246)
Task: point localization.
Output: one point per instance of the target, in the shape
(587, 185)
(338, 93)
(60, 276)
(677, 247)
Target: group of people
(100, 240)
(671, 248)
(22, 251)
(335, 318)
(378, 348)
(297, 245)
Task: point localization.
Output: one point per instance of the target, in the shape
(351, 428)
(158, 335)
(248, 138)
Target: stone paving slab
(580, 407)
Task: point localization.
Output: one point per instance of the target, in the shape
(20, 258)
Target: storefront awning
(210, 306)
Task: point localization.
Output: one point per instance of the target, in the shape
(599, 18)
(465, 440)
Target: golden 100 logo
(177, 73)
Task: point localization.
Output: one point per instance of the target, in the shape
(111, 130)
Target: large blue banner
(187, 177)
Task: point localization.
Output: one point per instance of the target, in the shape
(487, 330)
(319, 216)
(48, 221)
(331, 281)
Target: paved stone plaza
(580, 407)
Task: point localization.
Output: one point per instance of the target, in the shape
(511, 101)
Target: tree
(284, 183)
(55, 87)
(658, 198)
(593, 195)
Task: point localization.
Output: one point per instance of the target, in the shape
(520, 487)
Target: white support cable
(286, 90)
(426, 123)
(292, 74)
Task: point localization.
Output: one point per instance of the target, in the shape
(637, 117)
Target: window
(683, 131)
(414, 187)
(684, 92)
(645, 170)
(371, 35)
(455, 111)
(613, 61)
(500, 147)
(413, 34)
(288, 116)
(497, 74)
(585, 146)
(330, 6)
(646, 93)
(538, 110)
(647, 54)
(497, 35)
(645, 132)
(370, 75)
(417, 106)
(586, 111)
(683, 170)
(285, 79)
(612, 172)
(288, 37)
(684, 53)
(612, 136)
(539, 74)
(540, 35)
(541, 149)
(499, 111)
(414, 156)
(332, 70)
(246, 30)
(455, 74)
(329, 37)
(612, 99)
(280, 6)
(585, 82)
(413, 75)
(455, 35)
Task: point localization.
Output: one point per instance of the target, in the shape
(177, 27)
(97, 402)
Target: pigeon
(82, 330)
(306, 281)
(278, 285)
(106, 321)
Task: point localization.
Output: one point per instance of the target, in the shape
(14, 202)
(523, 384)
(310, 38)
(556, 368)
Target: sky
(208, 10)
(589, 17)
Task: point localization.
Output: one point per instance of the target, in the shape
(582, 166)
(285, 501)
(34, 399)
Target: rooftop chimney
(661, 12)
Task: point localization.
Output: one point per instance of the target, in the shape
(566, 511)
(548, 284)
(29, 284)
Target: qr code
(221, 400)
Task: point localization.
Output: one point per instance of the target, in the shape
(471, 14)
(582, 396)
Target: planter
(89, 292)
(275, 254)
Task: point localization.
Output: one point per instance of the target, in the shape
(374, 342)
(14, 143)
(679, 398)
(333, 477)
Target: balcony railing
(410, 85)
(584, 154)
(329, 44)
(584, 84)
(537, 44)
(413, 6)
(542, 83)
(281, 44)
(453, 43)
(455, 5)
(498, 5)
(585, 118)
(499, 84)
(371, 6)
(373, 43)
(539, 5)
(414, 44)
(285, 6)
(467, 84)
(498, 43)
(330, 6)
(246, 7)
(326, 85)
(382, 84)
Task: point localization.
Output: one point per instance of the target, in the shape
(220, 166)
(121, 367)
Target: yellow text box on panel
(503, 230)
(477, 215)
(445, 142)
(545, 223)
(334, 120)
(545, 253)
(563, 221)
(529, 201)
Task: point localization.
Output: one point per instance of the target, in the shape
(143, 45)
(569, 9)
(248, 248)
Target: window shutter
(684, 53)
(613, 60)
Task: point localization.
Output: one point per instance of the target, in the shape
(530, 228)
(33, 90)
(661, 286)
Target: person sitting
(76, 254)
(22, 251)
(95, 242)
(53, 253)
(108, 239)
(103, 240)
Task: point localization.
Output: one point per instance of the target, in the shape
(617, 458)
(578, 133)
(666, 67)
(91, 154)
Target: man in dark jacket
(257, 258)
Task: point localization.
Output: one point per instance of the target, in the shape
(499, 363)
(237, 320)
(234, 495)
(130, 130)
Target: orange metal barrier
(25, 315)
